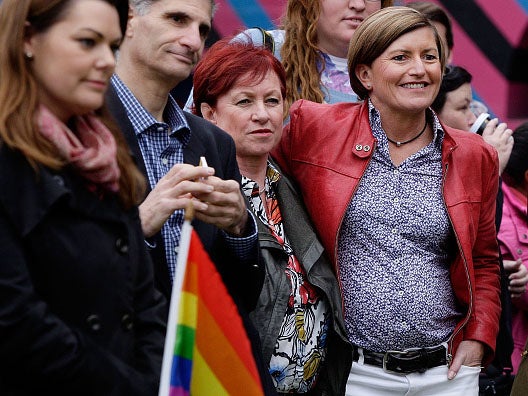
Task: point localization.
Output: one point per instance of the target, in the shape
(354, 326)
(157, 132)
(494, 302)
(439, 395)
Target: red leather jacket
(326, 148)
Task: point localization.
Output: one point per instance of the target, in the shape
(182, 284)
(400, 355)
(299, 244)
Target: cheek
(372, 7)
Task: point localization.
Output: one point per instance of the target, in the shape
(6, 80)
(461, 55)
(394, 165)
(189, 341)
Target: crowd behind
(367, 215)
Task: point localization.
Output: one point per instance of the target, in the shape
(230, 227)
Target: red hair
(228, 63)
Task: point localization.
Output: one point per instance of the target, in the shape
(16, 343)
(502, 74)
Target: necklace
(398, 144)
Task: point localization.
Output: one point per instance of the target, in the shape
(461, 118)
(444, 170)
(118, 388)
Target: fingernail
(451, 374)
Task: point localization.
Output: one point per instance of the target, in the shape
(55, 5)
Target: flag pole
(181, 264)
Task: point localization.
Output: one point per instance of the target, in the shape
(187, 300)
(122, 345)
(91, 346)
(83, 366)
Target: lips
(261, 132)
(101, 84)
(356, 21)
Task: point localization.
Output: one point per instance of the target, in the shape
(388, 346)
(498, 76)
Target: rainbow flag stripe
(212, 353)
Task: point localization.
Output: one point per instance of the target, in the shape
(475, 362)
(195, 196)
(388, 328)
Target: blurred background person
(241, 88)
(452, 103)
(405, 205)
(513, 233)
(453, 107)
(79, 313)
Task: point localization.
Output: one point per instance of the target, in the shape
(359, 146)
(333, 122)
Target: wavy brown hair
(19, 92)
(300, 52)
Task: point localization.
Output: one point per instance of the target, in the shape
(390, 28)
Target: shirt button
(366, 148)
(121, 245)
(59, 180)
(396, 172)
(176, 249)
(359, 147)
(127, 323)
(400, 293)
(396, 200)
(94, 322)
(519, 251)
(165, 161)
(161, 129)
(394, 231)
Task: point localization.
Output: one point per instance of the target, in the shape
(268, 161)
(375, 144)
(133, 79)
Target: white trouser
(368, 380)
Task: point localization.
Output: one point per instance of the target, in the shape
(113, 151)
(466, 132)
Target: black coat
(79, 314)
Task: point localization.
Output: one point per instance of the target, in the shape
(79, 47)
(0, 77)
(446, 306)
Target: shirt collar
(142, 120)
(379, 133)
(249, 186)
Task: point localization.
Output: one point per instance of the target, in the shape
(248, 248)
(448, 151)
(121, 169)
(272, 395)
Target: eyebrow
(100, 35)
(184, 15)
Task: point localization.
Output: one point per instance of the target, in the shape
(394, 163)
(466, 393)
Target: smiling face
(456, 112)
(166, 40)
(251, 114)
(406, 77)
(73, 60)
(338, 21)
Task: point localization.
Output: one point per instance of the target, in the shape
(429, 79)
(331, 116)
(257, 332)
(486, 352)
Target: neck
(254, 168)
(148, 88)
(403, 129)
(334, 49)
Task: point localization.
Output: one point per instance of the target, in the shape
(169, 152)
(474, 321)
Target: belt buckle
(386, 357)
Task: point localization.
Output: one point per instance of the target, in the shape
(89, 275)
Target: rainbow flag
(207, 351)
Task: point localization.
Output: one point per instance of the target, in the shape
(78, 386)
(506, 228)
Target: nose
(260, 112)
(417, 67)
(192, 38)
(106, 58)
(356, 4)
(471, 118)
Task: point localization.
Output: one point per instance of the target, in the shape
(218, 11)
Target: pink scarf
(91, 151)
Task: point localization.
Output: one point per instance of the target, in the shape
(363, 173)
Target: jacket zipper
(451, 339)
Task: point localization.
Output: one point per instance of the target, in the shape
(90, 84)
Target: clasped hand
(216, 201)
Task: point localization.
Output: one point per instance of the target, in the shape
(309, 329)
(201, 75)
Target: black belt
(405, 362)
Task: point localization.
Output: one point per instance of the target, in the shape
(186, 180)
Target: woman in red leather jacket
(406, 207)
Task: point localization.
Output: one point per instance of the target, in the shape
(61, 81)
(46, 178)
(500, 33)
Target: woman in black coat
(79, 314)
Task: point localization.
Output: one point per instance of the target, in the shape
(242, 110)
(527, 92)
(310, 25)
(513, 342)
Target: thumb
(454, 367)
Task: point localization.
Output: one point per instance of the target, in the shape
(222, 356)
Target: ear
(208, 112)
(28, 38)
(131, 21)
(364, 75)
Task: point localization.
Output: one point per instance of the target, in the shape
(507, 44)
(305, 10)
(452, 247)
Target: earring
(368, 86)
(28, 55)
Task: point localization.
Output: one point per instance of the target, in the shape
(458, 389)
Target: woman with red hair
(241, 88)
